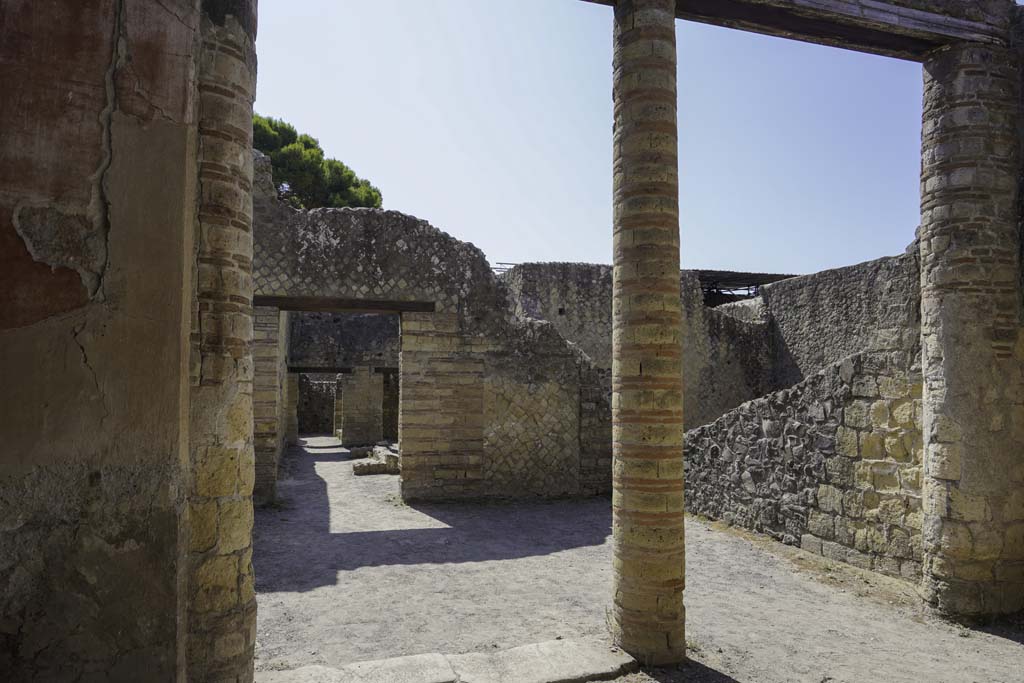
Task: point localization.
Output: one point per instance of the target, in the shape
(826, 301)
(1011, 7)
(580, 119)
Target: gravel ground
(346, 572)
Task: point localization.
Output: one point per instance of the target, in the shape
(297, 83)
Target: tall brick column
(973, 351)
(647, 393)
(222, 601)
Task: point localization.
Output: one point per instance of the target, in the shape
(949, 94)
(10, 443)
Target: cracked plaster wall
(97, 197)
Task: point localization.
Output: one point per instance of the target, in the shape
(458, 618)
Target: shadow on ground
(1010, 627)
(295, 549)
(690, 672)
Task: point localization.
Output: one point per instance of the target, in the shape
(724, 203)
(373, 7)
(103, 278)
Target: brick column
(268, 399)
(222, 606)
(440, 415)
(647, 395)
(970, 328)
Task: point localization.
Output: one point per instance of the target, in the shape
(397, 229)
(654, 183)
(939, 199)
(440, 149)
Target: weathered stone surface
(382, 460)
(553, 661)
(343, 340)
(93, 464)
(783, 465)
(818, 320)
(973, 404)
(737, 352)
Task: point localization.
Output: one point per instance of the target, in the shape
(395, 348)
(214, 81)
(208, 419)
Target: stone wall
(818, 319)
(574, 297)
(316, 403)
(343, 340)
(735, 352)
(457, 363)
(833, 464)
(725, 360)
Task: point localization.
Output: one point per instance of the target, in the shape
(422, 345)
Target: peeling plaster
(64, 238)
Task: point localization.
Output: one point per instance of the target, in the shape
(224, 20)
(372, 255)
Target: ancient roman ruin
(169, 327)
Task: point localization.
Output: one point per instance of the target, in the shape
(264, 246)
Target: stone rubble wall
(316, 403)
(832, 464)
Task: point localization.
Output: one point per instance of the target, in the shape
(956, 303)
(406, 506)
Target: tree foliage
(304, 177)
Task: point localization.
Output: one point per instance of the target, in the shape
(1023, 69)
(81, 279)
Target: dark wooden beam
(873, 26)
(302, 370)
(335, 305)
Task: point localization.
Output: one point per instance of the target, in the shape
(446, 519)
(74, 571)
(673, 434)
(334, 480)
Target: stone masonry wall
(574, 297)
(343, 340)
(736, 352)
(316, 403)
(725, 360)
(818, 319)
(832, 464)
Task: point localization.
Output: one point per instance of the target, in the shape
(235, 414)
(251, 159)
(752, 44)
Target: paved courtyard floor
(346, 572)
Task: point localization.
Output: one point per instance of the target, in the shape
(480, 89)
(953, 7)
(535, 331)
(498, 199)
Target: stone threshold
(553, 661)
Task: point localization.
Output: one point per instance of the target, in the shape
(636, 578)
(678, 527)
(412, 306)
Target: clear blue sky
(492, 120)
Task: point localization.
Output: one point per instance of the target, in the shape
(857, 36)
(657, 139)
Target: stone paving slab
(553, 661)
(428, 668)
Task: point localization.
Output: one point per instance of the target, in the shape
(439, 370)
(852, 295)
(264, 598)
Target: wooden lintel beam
(873, 26)
(304, 370)
(336, 305)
